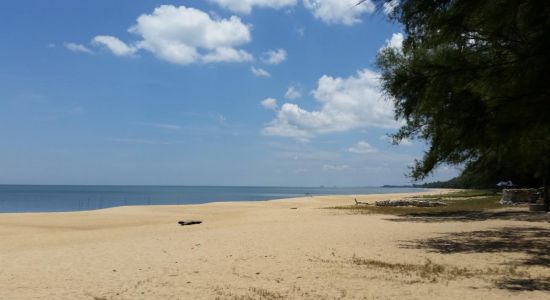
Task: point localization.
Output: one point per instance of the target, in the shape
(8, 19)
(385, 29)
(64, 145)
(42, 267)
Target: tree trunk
(545, 191)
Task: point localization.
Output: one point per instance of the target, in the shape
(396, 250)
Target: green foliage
(472, 80)
(473, 180)
(460, 182)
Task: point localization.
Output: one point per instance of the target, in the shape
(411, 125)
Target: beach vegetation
(434, 272)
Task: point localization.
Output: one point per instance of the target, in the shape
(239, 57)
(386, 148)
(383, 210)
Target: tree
(472, 80)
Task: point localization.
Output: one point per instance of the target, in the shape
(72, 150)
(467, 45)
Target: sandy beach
(280, 249)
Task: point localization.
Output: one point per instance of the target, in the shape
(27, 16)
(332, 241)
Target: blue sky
(219, 92)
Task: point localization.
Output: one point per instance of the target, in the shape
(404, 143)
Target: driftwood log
(360, 203)
(189, 222)
(416, 203)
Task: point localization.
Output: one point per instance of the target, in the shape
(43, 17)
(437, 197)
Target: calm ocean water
(37, 198)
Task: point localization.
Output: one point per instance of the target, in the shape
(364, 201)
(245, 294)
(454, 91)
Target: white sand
(243, 250)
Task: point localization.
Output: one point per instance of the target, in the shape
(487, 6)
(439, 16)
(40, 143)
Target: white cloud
(183, 35)
(227, 54)
(346, 104)
(269, 103)
(390, 6)
(116, 46)
(77, 48)
(292, 93)
(336, 167)
(345, 12)
(362, 147)
(274, 57)
(259, 72)
(246, 6)
(395, 42)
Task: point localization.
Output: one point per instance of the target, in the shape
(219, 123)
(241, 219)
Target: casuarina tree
(472, 79)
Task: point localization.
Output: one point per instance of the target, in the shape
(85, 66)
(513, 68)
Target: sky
(212, 92)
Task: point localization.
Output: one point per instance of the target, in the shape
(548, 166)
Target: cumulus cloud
(184, 35)
(395, 42)
(77, 48)
(116, 46)
(259, 72)
(346, 104)
(345, 12)
(274, 57)
(362, 147)
(292, 93)
(246, 6)
(269, 103)
(227, 54)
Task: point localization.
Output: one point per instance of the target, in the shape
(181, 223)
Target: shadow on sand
(472, 216)
(524, 284)
(533, 242)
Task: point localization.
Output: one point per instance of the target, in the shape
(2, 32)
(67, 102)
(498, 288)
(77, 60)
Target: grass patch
(428, 271)
(433, 272)
(252, 293)
(266, 294)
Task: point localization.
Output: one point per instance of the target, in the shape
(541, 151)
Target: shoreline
(422, 191)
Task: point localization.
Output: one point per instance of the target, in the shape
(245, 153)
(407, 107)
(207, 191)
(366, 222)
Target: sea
(57, 198)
